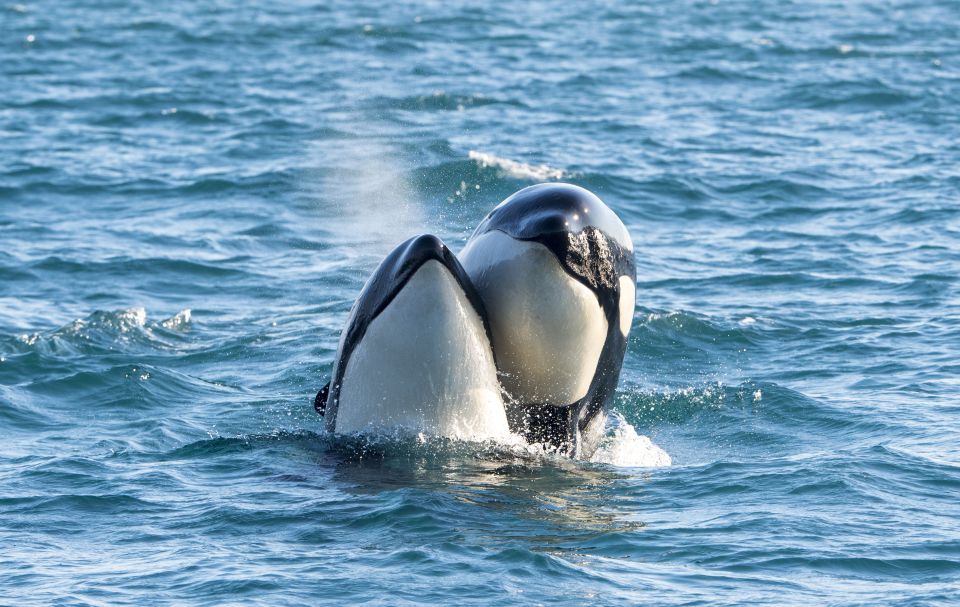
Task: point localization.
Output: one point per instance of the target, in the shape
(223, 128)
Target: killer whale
(554, 267)
(416, 353)
(525, 334)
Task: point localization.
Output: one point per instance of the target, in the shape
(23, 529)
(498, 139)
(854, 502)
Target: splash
(622, 446)
(178, 321)
(121, 321)
(110, 327)
(519, 170)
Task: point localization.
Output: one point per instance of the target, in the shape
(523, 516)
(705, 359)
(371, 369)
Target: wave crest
(519, 170)
(622, 446)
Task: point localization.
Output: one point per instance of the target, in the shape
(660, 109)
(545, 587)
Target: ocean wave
(865, 95)
(623, 447)
(100, 332)
(438, 101)
(18, 414)
(713, 421)
(100, 504)
(674, 326)
(127, 266)
(519, 170)
(194, 194)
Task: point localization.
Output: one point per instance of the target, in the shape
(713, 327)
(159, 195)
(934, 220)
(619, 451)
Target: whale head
(554, 268)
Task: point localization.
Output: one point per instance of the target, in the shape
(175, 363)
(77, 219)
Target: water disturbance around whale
(194, 194)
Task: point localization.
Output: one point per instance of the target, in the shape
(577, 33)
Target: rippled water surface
(193, 193)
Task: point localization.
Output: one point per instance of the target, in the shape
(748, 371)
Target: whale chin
(548, 329)
(416, 355)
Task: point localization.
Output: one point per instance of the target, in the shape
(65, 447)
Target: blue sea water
(193, 193)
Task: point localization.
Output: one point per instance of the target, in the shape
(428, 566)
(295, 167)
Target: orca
(555, 270)
(416, 353)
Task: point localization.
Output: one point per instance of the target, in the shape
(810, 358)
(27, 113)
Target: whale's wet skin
(539, 315)
(193, 196)
(416, 354)
(554, 267)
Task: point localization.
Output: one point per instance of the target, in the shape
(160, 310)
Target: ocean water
(193, 193)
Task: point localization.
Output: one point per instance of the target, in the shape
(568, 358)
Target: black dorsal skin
(593, 246)
(390, 277)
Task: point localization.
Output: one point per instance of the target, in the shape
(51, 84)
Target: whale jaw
(548, 329)
(424, 365)
(415, 355)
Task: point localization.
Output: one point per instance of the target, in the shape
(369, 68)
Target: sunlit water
(192, 195)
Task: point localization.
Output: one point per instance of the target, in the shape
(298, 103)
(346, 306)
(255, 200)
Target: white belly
(548, 329)
(424, 365)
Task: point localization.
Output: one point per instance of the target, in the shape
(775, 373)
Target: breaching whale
(525, 334)
(554, 267)
(415, 353)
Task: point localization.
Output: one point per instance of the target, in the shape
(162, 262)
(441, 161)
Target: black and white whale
(554, 267)
(543, 301)
(416, 352)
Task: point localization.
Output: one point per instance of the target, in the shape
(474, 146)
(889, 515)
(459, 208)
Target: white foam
(122, 321)
(520, 170)
(29, 339)
(622, 446)
(131, 318)
(178, 321)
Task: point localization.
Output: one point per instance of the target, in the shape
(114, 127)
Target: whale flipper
(416, 352)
